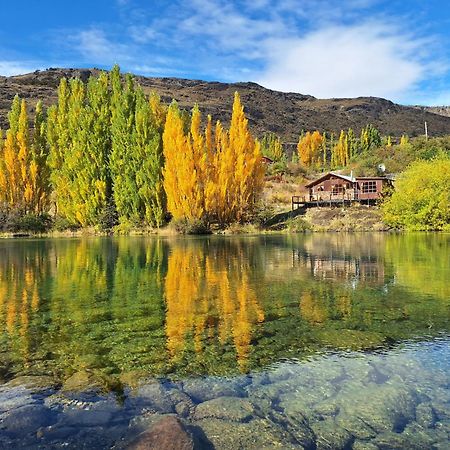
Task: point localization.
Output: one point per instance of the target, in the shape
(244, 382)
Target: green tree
(149, 160)
(421, 200)
(123, 162)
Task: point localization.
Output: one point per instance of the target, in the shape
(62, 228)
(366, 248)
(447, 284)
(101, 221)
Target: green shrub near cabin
(421, 200)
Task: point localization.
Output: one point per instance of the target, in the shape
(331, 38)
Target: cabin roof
(350, 179)
(332, 174)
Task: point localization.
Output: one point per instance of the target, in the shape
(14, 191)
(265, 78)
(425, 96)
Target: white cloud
(94, 45)
(9, 68)
(346, 61)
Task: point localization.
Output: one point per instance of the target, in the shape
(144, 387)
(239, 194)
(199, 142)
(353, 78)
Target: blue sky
(394, 49)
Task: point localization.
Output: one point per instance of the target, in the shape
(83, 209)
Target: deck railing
(328, 198)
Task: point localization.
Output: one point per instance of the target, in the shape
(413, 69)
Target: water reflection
(213, 305)
(210, 295)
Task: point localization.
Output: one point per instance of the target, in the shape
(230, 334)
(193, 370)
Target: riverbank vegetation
(109, 158)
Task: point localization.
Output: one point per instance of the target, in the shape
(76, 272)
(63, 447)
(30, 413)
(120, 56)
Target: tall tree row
(107, 148)
(320, 151)
(209, 176)
(23, 170)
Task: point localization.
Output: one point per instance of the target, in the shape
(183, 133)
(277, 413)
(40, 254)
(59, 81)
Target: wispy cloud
(368, 59)
(9, 68)
(94, 45)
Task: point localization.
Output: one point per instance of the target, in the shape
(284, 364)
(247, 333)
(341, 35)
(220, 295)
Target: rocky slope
(283, 113)
(441, 110)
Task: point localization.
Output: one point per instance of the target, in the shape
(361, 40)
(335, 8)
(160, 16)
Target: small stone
(228, 408)
(167, 434)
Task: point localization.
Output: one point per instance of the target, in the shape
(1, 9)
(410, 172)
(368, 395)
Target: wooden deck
(302, 202)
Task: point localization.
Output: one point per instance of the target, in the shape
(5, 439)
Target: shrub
(191, 226)
(298, 225)
(63, 224)
(35, 223)
(109, 217)
(421, 200)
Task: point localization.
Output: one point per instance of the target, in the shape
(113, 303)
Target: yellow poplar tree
(183, 168)
(248, 173)
(308, 147)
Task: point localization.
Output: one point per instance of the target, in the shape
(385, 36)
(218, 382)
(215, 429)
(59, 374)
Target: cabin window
(337, 189)
(369, 187)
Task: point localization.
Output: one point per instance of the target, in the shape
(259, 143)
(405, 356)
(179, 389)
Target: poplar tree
(11, 167)
(352, 143)
(58, 139)
(149, 158)
(39, 169)
(340, 152)
(93, 145)
(272, 147)
(175, 145)
(123, 161)
(308, 147)
(246, 172)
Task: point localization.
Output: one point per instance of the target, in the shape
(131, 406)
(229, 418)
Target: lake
(315, 341)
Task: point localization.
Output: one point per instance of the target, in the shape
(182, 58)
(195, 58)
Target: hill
(283, 113)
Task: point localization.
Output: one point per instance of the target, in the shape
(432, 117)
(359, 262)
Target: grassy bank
(355, 218)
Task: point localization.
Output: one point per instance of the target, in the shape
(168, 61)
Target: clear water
(311, 341)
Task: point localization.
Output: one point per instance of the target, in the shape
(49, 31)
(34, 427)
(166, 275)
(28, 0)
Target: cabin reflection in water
(342, 266)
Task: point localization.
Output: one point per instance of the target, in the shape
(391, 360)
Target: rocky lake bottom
(398, 399)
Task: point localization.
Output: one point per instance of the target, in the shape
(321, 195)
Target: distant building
(267, 160)
(334, 187)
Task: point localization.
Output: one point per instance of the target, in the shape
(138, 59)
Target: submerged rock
(364, 445)
(257, 434)
(34, 383)
(425, 415)
(227, 408)
(297, 425)
(167, 434)
(329, 436)
(155, 396)
(28, 419)
(201, 390)
(82, 381)
(14, 398)
(381, 408)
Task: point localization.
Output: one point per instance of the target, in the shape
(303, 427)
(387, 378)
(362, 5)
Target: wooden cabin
(334, 187)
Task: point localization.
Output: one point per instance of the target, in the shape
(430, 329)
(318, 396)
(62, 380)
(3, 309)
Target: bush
(109, 218)
(35, 223)
(193, 226)
(298, 225)
(62, 224)
(421, 200)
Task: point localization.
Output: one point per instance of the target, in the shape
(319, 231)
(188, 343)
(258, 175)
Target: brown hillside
(283, 113)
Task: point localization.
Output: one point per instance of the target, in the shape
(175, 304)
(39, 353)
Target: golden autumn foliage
(183, 171)
(340, 154)
(209, 299)
(212, 178)
(309, 147)
(23, 178)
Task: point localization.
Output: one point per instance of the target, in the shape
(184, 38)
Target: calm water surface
(324, 341)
